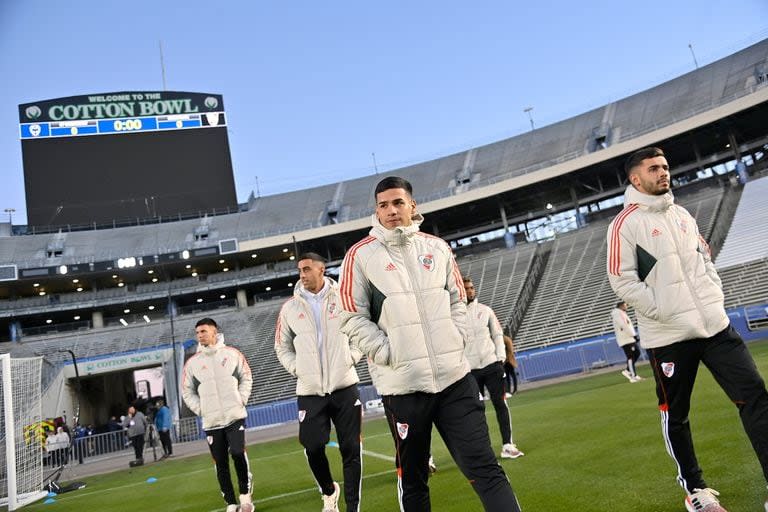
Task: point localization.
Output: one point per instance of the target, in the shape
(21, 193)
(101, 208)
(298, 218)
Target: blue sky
(312, 89)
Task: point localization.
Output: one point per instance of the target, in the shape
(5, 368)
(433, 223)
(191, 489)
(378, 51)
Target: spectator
(163, 426)
(136, 424)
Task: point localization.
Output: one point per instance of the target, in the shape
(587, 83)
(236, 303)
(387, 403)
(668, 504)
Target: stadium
(109, 295)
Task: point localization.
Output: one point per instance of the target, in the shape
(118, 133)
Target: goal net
(21, 464)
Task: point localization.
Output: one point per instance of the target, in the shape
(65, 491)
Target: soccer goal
(21, 471)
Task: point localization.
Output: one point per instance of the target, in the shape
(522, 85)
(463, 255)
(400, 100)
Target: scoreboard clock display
(116, 157)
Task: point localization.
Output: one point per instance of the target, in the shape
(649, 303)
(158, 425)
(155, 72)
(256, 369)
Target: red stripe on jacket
(615, 244)
(278, 324)
(347, 301)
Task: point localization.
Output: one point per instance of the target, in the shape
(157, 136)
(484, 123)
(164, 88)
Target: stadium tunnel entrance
(107, 385)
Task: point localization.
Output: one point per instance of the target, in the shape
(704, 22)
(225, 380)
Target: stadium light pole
(10, 212)
(695, 62)
(176, 379)
(528, 110)
(375, 166)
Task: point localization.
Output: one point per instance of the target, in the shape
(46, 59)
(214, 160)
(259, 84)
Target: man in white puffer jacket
(486, 354)
(404, 307)
(310, 346)
(216, 384)
(659, 264)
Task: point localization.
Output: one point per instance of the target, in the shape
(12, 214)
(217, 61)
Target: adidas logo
(655, 232)
(358, 402)
(390, 267)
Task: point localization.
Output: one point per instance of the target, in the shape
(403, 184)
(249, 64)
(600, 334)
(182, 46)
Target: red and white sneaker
(703, 500)
(246, 503)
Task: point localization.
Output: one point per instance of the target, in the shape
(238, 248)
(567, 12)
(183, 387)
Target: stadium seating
(745, 283)
(675, 100)
(499, 277)
(746, 240)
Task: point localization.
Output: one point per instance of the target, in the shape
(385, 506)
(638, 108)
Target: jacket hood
(398, 236)
(210, 350)
(298, 288)
(653, 203)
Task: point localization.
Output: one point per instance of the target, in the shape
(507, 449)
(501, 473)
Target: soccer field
(591, 444)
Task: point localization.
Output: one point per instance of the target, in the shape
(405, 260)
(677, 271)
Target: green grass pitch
(591, 444)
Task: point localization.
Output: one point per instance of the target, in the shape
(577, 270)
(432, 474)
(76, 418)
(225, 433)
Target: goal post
(21, 472)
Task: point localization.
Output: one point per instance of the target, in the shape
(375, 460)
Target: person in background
(311, 348)
(136, 425)
(626, 339)
(216, 384)
(486, 354)
(163, 425)
(510, 366)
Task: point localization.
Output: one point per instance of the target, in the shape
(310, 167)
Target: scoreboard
(124, 156)
(113, 126)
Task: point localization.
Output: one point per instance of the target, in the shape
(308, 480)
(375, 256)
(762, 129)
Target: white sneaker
(246, 503)
(627, 374)
(331, 503)
(636, 378)
(510, 451)
(232, 508)
(432, 467)
(703, 500)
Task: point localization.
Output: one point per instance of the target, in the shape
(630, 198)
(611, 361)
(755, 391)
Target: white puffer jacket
(660, 265)
(216, 384)
(403, 301)
(486, 338)
(297, 349)
(622, 327)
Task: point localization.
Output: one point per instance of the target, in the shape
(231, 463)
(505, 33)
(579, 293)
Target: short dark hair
(312, 256)
(620, 303)
(466, 279)
(206, 321)
(391, 182)
(640, 155)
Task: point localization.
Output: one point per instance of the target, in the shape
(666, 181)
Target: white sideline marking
(379, 456)
(263, 500)
(304, 491)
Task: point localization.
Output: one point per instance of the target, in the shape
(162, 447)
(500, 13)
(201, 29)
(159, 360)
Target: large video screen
(128, 155)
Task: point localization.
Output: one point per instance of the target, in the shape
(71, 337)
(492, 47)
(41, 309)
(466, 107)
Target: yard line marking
(206, 470)
(379, 455)
(304, 491)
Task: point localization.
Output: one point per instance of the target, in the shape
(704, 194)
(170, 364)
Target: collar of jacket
(401, 235)
(300, 292)
(652, 203)
(212, 349)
